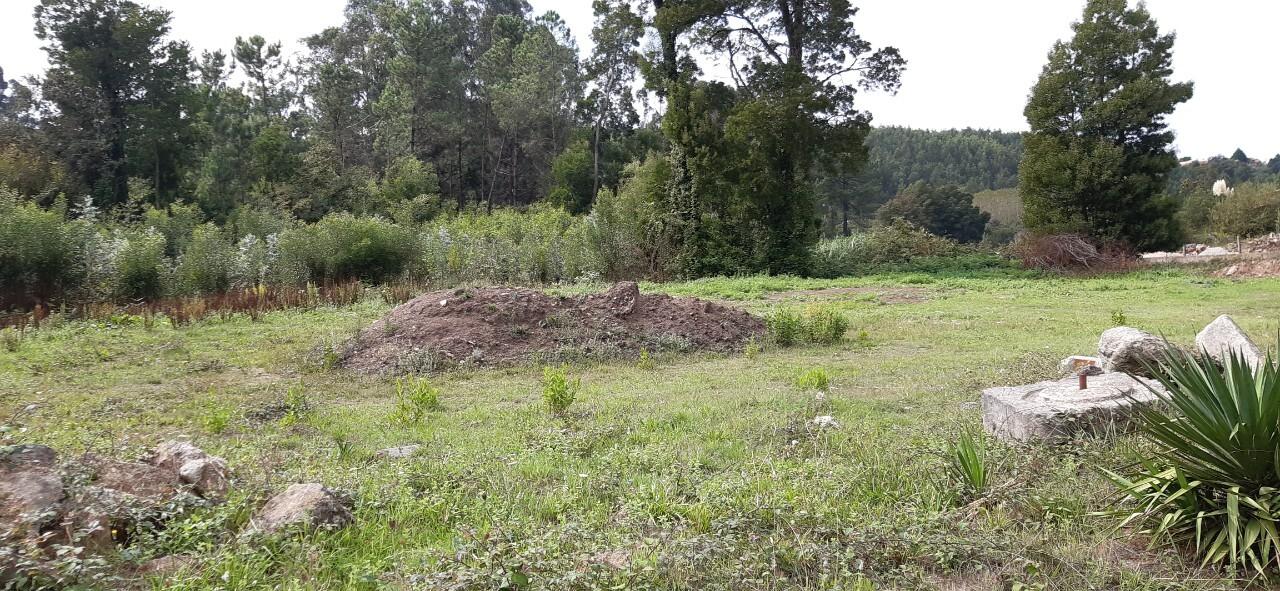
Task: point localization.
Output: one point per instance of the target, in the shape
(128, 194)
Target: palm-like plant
(1214, 481)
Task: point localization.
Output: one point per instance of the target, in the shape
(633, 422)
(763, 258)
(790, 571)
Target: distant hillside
(975, 159)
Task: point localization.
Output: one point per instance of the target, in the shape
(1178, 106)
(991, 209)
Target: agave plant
(1213, 482)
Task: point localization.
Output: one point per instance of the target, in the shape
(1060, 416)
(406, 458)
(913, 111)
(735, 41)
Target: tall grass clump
(968, 462)
(814, 380)
(1213, 482)
(821, 325)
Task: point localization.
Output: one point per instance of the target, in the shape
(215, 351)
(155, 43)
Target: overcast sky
(971, 63)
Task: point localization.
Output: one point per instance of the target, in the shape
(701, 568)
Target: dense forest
(415, 127)
(972, 159)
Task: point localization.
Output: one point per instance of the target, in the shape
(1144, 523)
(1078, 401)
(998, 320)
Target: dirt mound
(500, 325)
(1250, 268)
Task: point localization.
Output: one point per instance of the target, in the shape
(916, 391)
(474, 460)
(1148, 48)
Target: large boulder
(1058, 410)
(30, 489)
(208, 475)
(1223, 336)
(308, 504)
(1129, 350)
(147, 483)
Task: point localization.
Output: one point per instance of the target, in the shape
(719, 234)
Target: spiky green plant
(969, 463)
(1213, 482)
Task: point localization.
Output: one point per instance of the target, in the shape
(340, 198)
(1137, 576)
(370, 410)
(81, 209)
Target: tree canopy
(1098, 155)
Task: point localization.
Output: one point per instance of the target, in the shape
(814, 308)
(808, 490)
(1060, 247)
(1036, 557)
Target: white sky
(971, 63)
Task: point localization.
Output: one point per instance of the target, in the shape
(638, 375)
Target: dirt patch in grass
(503, 325)
(884, 295)
(1250, 268)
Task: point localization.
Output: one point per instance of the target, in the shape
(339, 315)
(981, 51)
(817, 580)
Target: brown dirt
(883, 295)
(1250, 268)
(503, 325)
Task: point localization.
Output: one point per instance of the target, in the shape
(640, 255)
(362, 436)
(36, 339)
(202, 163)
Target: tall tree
(268, 73)
(1098, 154)
(797, 65)
(108, 60)
(612, 71)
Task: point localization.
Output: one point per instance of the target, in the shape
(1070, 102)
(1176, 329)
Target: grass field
(696, 473)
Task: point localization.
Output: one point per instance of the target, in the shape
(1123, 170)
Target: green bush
(1213, 481)
(558, 391)
(38, 251)
(541, 245)
(785, 326)
(415, 399)
(816, 325)
(824, 325)
(944, 211)
(1252, 209)
(625, 234)
(815, 379)
(176, 223)
(882, 248)
(206, 264)
(341, 247)
(141, 269)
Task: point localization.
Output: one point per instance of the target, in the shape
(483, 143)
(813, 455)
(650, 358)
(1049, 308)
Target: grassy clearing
(675, 473)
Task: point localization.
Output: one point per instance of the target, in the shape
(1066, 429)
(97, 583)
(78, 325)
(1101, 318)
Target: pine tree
(1098, 154)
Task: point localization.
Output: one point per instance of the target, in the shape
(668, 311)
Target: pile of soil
(1250, 268)
(502, 325)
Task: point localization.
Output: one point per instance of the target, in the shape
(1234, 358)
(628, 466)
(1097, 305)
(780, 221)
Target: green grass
(700, 472)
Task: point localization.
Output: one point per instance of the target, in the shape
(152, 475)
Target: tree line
(439, 105)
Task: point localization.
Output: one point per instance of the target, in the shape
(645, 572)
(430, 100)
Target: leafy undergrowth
(678, 473)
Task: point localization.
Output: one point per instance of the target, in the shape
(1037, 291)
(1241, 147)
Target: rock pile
(89, 504)
(1103, 393)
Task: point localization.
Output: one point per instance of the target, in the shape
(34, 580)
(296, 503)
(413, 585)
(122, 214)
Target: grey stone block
(1057, 410)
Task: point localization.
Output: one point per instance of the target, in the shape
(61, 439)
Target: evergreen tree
(113, 79)
(1098, 154)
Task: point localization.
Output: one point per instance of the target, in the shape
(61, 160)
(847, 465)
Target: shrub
(817, 324)
(1213, 481)
(206, 264)
(176, 223)
(824, 325)
(141, 269)
(624, 232)
(1252, 209)
(415, 399)
(785, 326)
(343, 246)
(558, 391)
(38, 251)
(881, 248)
(1069, 253)
(943, 211)
(541, 245)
